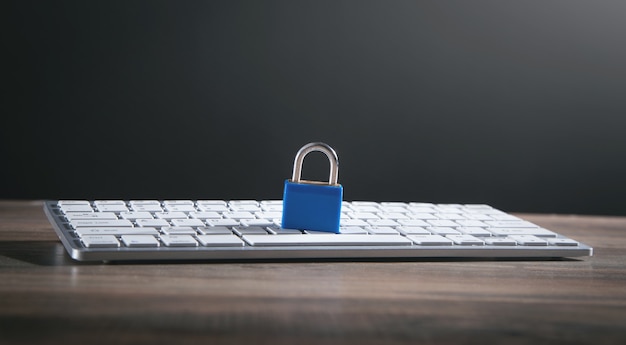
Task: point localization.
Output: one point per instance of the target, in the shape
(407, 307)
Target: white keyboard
(118, 230)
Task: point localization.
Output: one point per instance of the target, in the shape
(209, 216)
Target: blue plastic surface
(312, 207)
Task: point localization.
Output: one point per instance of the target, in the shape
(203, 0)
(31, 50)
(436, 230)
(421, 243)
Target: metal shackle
(321, 147)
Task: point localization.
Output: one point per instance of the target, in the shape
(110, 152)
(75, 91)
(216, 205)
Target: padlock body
(311, 206)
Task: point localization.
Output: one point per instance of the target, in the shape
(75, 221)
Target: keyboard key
(112, 208)
(178, 230)
(529, 240)
(136, 215)
(539, 232)
(466, 240)
(205, 215)
(109, 202)
(157, 223)
(215, 230)
(353, 222)
(140, 241)
(412, 222)
(76, 208)
(187, 222)
(220, 241)
(413, 230)
(383, 222)
(349, 230)
(257, 222)
(147, 208)
(562, 242)
(442, 230)
(180, 208)
(238, 215)
(471, 223)
(510, 224)
(474, 231)
(223, 222)
(257, 230)
(386, 230)
(500, 241)
(144, 202)
(170, 215)
(90, 215)
(178, 241)
(115, 231)
(326, 240)
(213, 207)
(100, 241)
(442, 223)
(72, 202)
(97, 223)
(178, 203)
(430, 240)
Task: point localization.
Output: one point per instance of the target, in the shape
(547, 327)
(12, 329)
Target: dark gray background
(518, 104)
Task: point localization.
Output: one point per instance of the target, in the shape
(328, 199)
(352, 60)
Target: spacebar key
(325, 240)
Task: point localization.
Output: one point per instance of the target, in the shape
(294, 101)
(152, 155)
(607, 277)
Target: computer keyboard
(118, 230)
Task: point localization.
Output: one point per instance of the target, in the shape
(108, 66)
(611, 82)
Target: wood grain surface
(47, 298)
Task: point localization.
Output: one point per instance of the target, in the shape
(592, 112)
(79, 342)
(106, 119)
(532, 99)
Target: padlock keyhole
(315, 167)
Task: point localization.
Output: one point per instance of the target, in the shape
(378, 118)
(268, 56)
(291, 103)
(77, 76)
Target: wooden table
(45, 297)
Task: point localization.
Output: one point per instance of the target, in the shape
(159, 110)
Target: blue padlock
(313, 205)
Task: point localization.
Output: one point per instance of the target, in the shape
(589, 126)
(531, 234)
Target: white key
(430, 240)
(136, 215)
(144, 202)
(171, 215)
(382, 230)
(268, 215)
(505, 217)
(466, 240)
(412, 222)
(450, 216)
(353, 222)
(383, 222)
(76, 208)
(500, 241)
(394, 209)
(97, 223)
(253, 230)
(222, 222)
(147, 208)
(471, 223)
(413, 230)
(215, 230)
(177, 202)
(152, 222)
(238, 215)
(211, 202)
(364, 203)
(368, 209)
(213, 207)
(100, 241)
(178, 230)
(272, 208)
(350, 230)
(112, 208)
(423, 216)
(396, 215)
(243, 202)
(180, 208)
(364, 215)
(562, 242)
(246, 208)
(280, 231)
(510, 224)
(474, 231)
(140, 241)
(442, 222)
(116, 231)
(478, 216)
(90, 215)
(187, 222)
(220, 241)
(529, 240)
(326, 240)
(109, 202)
(72, 202)
(205, 215)
(442, 230)
(539, 232)
(178, 241)
(257, 222)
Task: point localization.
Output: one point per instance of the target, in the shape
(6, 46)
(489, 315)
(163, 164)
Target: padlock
(313, 205)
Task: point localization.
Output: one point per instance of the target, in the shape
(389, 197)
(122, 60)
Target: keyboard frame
(78, 252)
